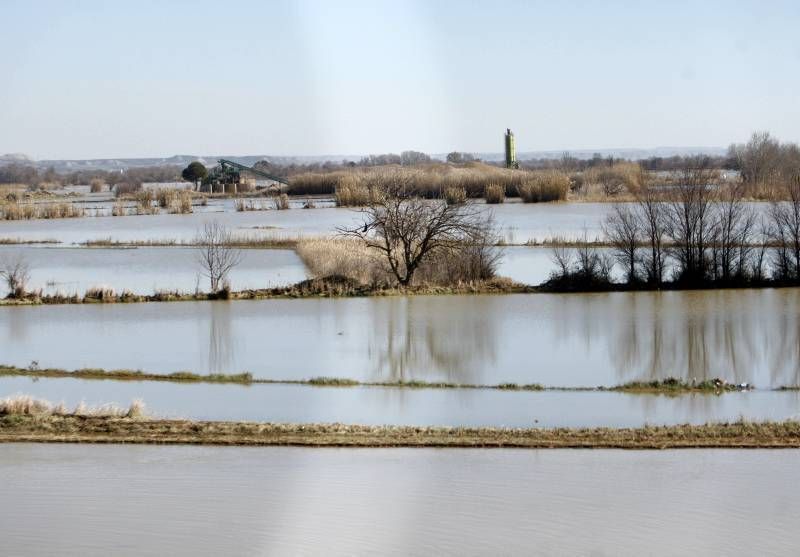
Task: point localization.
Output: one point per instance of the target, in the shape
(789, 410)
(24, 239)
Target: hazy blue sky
(156, 78)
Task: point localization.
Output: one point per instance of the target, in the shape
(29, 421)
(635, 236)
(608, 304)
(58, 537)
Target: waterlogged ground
(144, 270)
(742, 336)
(517, 222)
(416, 407)
(85, 500)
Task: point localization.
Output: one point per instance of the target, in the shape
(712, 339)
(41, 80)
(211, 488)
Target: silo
(511, 150)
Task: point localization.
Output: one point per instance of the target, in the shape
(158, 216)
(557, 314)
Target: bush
(455, 195)
(543, 187)
(495, 193)
(282, 202)
(96, 185)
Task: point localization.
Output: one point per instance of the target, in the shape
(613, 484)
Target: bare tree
(734, 222)
(623, 230)
(409, 231)
(785, 233)
(688, 218)
(651, 211)
(217, 256)
(15, 271)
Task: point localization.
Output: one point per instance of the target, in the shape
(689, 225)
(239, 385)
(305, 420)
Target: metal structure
(229, 173)
(511, 150)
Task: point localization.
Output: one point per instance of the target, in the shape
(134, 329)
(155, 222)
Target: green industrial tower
(511, 150)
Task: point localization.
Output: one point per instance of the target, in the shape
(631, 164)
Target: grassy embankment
(99, 428)
(666, 386)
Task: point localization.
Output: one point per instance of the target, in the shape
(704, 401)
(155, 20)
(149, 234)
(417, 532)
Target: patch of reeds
(281, 202)
(97, 185)
(494, 193)
(24, 405)
(455, 195)
(544, 187)
(14, 210)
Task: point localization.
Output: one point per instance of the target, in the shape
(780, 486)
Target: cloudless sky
(92, 79)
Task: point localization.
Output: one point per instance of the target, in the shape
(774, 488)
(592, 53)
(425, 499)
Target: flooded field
(290, 501)
(741, 336)
(144, 270)
(417, 407)
(517, 222)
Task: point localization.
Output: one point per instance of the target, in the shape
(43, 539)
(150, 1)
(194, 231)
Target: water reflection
(422, 338)
(221, 347)
(556, 340)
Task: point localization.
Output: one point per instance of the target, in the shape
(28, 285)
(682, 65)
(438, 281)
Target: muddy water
(145, 270)
(422, 407)
(129, 500)
(556, 340)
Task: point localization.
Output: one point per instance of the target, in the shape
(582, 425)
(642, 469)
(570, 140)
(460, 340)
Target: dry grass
(430, 180)
(108, 427)
(455, 195)
(13, 210)
(281, 202)
(24, 405)
(342, 257)
(544, 187)
(97, 185)
(494, 194)
(355, 191)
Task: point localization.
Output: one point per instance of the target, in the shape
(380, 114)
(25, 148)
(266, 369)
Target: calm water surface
(127, 500)
(144, 270)
(556, 340)
(518, 223)
(423, 407)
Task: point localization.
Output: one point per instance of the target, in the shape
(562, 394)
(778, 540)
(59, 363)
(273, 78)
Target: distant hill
(183, 160)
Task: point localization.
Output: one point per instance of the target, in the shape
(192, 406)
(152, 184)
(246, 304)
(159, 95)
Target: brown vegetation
(66, 428)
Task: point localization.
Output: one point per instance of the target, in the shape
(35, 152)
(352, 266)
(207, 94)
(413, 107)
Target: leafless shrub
(217, 257)
(409, 232)
(622, 229)
(15, 271)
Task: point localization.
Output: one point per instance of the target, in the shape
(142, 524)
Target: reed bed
(14, 210)
(544, 187)
(431, 181)
(495, 194)
(25, 405)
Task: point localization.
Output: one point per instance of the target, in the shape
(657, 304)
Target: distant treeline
(763, 160)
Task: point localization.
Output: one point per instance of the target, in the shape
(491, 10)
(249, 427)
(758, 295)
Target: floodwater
(518, 223)
(568, 340)
(144, 270)
(415, 407)
(142, 500)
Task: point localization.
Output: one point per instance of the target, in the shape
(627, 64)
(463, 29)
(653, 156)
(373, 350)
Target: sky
(92, 79)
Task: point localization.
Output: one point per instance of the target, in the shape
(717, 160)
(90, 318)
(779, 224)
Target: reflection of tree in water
(450, 338)
(220, 345)
(704, 335)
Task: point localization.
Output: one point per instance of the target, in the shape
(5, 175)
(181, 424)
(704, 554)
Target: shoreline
(94, 429)
(341, 287)
(669, 386)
